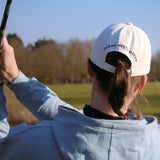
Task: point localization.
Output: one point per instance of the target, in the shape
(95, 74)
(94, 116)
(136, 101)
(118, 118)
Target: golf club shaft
(4, 21)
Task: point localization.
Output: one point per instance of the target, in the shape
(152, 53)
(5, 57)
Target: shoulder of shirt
(23, 127)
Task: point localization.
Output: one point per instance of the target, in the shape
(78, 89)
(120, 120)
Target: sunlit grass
(79, 94)
(149, 99)
(75, 94)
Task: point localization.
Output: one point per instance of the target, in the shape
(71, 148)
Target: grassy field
(149, 99)
(78, 95)
(75, 94)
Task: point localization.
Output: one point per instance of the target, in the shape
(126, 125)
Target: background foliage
(52, 62)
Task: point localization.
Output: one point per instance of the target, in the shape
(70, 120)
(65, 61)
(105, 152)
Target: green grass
(75, 94)
(78, 95)
(149, 99)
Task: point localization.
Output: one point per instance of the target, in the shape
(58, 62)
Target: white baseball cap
(128, 40)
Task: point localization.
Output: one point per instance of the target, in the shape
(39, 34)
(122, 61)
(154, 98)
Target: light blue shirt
(66, 133)
(4, 126)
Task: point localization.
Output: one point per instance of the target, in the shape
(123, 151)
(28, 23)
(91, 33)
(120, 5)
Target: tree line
(53, 62)
(60, 62)
(155, 70)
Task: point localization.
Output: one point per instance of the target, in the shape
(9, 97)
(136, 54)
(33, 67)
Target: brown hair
(119, 87)
(114, 85)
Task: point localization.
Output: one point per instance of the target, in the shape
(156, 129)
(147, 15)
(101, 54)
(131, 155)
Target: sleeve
(4, 125)
(36, 97)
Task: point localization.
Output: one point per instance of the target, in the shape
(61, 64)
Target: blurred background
(52, 40)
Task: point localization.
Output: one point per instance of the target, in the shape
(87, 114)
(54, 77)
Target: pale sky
(62, 20)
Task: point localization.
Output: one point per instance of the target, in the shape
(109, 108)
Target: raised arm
(38, 98)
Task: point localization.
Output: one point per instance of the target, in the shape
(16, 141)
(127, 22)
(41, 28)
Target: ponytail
(115, 86)
(119, 87)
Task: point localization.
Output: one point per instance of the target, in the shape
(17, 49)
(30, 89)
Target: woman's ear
(141, 83)
(90, 72)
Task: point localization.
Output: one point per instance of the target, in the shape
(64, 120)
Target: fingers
(6, 49)
(5, 43)
(8, 66)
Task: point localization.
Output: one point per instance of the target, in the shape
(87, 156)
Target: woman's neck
(99, 101)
